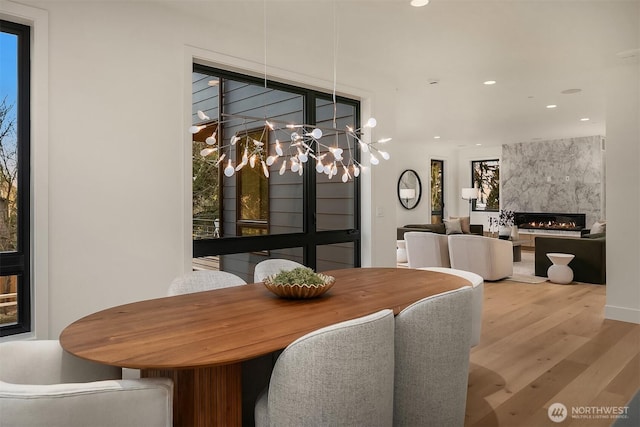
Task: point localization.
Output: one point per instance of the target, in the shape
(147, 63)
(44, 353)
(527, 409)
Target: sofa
(434, 228)
(589, 264)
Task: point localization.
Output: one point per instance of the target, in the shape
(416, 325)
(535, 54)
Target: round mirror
(409, 189)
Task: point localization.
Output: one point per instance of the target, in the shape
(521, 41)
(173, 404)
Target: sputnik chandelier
(299, 144)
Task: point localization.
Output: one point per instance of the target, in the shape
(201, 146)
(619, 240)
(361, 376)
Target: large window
(268, 211)
(486, 177)
(15, 300)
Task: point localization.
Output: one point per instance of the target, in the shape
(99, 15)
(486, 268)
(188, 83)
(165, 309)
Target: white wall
(418, 156)
(623, 192)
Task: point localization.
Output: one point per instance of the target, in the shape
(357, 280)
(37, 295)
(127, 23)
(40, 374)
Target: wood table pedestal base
(205, 397)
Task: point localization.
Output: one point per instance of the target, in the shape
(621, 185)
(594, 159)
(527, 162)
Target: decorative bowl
(300, 291)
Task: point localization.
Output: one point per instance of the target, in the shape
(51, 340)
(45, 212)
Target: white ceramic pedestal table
(560, 272)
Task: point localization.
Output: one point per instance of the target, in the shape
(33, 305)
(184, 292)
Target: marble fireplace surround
(555, 176)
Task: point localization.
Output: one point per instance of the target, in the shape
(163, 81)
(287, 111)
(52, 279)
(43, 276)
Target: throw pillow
(599, 227)
(453, 226)
(465, 223)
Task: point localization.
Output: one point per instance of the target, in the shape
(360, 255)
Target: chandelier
(296, 145)
(300, 143)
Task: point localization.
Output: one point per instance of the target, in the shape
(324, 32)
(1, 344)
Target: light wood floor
(546, 343)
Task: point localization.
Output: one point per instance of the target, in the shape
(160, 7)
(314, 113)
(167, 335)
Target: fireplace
(550, 221)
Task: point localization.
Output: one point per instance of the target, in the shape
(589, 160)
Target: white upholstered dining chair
(425, 249)
(203, 280)
(268, 267)
(338, 375)
(477, 285)
(432, 340)
(42, 385)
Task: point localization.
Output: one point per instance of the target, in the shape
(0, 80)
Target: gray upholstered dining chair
(204, 280)
(425, 249)
(272, 266)
(42, 385)
(338, 375)
(477, 284)
(432, 343)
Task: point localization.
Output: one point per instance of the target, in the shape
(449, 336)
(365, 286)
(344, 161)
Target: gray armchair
(42, 385)
(338, 375)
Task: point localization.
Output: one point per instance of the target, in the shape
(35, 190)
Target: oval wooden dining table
(200, 339)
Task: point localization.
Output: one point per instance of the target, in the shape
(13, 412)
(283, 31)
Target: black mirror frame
(404, 203)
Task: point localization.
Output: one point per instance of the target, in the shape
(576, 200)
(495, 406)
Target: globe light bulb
(228, 171)
(278, 148)
(234, 139)
(371, 123)
(196, 129)
(364, 147)
(265, 169)
(295, 136)
(205, 152)
(283, 168)
(252, 161)
(319, 166)
(221, 158)
(212, 139)
(385, 155)
(356, 171)
(294, 166)
(271, 159)
(374, 160)
(202, 115)
(316, 133)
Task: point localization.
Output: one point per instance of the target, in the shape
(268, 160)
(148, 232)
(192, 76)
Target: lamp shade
(469, 193)
(407, 193)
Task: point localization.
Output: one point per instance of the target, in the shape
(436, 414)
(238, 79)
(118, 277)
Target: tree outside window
(486, 177)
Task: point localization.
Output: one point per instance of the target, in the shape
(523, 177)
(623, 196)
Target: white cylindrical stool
(560, 272)
(401, 251)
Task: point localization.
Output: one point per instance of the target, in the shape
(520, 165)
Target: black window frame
(18, 263)
(309, 238)
(474, 207)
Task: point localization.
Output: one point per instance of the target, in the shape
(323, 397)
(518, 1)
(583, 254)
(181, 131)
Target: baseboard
(623, 314)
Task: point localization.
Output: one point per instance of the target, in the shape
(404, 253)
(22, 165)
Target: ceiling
(432, 61)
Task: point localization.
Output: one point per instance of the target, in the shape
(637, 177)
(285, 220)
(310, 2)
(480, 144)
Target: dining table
(200, 340)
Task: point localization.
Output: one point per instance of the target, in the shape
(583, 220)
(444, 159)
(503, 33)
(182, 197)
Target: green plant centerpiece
(301, 282)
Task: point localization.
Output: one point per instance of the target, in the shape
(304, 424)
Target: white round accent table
(401, 251)
(560, 272)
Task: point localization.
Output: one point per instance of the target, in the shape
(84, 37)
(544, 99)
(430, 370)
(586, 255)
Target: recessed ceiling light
(419, 3)
(551, 106)
(436, 137)
(478, 144)
(585, 119)
(490, 82)
(571, 91)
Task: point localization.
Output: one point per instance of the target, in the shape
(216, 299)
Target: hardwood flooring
(545, 343)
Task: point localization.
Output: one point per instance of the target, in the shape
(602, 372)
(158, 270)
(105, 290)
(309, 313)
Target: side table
(560, 272)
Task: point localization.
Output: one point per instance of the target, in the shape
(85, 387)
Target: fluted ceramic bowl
(300, 291)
